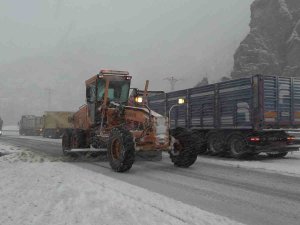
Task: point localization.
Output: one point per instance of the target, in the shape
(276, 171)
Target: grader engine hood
(149, 128)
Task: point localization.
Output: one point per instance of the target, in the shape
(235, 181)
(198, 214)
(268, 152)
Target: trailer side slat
(232, 105)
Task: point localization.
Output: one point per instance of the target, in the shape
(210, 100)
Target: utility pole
(172, 81)
(49, 91)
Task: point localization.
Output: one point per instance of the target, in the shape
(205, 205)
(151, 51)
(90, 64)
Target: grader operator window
(91, 93)
(118, 90)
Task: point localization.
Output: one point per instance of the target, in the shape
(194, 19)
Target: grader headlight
(138, 99)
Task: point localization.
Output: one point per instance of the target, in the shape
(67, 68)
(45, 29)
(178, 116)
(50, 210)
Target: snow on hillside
(36, 190)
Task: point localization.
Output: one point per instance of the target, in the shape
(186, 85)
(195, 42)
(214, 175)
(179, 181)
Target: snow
(284, 9)
(14, 130)
(289, 165)
(10, 128)
(35, 189)
(40, 138)
(294, 36)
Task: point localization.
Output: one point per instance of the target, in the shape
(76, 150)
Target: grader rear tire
(183, 153)
(120, 150)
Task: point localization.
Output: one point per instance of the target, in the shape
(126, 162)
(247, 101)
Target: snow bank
(290, 165)
(47, 192)
(11, 127)
(16, 154)
(40, 138)
(14, 131)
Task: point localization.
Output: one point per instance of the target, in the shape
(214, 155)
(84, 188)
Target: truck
(241, 118)
(30, 125)
(55, 123)
(109, 124)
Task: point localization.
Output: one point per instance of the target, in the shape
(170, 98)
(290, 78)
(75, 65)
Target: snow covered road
(34, 190)
(218, 186)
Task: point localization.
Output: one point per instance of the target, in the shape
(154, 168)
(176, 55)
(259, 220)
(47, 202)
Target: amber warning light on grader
(114, 72)
(123, 74)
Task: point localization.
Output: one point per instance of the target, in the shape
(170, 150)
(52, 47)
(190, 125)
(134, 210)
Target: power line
(172, 80)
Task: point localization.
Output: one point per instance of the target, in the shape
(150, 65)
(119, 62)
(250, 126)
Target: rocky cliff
(273, 45)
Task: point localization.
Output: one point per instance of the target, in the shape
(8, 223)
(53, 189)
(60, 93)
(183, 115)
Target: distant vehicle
(55, 123)
(242, 117)
(1, 124)
(31, 125)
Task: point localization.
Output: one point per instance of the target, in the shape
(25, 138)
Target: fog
(49, 48)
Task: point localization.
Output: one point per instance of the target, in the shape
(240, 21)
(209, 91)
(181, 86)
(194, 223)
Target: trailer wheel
(183, 153)
(120, 150)
(215, 144)
(238, 146)
(66, 142)
(277, 155)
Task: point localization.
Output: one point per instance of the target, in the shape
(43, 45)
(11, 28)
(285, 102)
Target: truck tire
(216, 144)
(46, 133)
(199, 142)
(238, 146)
(66, 142)
(183, 153)
(120, 150)
(277, 155)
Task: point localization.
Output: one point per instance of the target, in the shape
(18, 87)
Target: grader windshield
(118, 89)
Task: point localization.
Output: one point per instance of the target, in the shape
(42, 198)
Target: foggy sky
(58, 44)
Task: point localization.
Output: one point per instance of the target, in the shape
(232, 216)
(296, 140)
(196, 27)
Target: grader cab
(108, 123)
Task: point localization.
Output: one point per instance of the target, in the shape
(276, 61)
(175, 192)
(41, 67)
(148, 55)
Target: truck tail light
(290, 138)
(254, 139)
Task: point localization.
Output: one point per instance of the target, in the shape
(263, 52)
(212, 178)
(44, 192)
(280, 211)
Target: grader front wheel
(120, 150)
(183, 154)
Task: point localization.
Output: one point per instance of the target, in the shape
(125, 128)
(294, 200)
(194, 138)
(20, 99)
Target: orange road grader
(108, 123)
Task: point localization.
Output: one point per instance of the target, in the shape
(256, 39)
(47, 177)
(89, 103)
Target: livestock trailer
(56, 122)
(244, 116)
(31, 125)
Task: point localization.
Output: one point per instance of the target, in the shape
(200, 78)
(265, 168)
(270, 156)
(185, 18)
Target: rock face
(273, 45)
